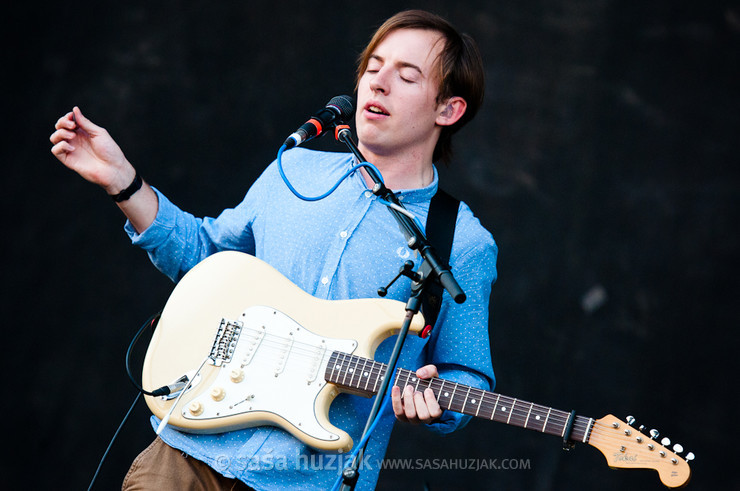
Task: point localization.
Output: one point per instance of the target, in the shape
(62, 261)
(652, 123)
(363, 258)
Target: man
(418, 82)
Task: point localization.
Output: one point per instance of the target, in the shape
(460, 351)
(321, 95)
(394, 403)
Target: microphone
(337, 110)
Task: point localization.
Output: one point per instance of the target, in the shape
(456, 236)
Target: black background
(604, 160)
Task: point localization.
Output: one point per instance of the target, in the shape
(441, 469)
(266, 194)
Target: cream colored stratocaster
(257, 350)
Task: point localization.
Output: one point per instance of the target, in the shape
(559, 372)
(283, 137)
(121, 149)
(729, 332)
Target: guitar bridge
(225, 342)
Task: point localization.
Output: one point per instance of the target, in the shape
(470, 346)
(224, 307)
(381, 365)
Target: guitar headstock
(628, 448)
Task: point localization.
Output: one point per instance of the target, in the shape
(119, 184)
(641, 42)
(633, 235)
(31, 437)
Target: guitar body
(265, 343)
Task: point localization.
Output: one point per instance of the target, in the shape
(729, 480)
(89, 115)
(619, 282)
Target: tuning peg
(690, 456)
(665, 441)
(678, 448)
(631, 420)
(642, 428)
(654, 434)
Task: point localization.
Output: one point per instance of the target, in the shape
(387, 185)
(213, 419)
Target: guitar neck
(363, 376)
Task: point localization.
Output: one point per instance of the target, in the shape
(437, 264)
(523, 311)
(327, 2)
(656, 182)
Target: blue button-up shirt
(341, 247)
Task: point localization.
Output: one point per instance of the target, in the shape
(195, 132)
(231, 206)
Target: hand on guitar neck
(417, 407)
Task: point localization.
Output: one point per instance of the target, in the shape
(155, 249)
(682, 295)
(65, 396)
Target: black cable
(115, 435)
(151, 322)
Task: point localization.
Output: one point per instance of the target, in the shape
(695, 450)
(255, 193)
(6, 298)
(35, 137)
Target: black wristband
(129, 191)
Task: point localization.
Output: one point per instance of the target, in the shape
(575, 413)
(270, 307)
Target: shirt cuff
(450, 420)
(160, 229)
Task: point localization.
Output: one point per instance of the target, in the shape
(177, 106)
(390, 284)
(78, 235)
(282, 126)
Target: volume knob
(237, 375)
(218, 393)
(195, 408)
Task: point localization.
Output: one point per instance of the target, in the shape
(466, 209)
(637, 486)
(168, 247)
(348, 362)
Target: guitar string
(517, 411)
(485, 400)
(521, 415)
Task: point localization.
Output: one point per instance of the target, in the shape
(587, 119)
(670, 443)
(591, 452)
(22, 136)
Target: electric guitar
(246, 347)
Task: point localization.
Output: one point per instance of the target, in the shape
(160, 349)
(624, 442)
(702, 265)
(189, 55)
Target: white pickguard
(277, 366)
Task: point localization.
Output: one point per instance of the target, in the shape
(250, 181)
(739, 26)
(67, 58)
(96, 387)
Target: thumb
(427, 371)
(91, 128)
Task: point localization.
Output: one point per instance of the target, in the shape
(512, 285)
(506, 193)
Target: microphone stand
(431, 269)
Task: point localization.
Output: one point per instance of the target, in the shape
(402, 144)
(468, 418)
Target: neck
(400, 171)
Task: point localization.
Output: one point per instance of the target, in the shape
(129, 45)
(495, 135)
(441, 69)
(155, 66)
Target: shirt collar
(417, 195)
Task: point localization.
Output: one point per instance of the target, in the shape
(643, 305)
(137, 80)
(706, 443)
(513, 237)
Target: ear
(451, 110)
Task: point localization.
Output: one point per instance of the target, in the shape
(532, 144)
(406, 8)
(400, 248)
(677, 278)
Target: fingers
(65, 131)
(415, 406)
(66, 121)
(62, 134)
(62, 148)
(427, 371)
(397, 404)
(85, 123)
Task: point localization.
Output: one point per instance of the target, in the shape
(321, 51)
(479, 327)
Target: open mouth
(376, 110)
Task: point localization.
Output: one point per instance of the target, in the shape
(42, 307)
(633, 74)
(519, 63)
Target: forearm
(141, 208)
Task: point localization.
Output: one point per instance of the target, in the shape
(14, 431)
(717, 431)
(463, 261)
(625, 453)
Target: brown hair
(459, 68)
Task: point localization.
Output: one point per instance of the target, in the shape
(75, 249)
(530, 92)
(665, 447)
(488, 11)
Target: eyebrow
(401, 64)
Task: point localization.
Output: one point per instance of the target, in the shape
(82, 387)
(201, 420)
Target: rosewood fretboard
(364, 376)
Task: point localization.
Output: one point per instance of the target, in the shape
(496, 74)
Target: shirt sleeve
(176, 240)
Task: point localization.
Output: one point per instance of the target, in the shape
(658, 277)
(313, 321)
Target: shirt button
(324, 280)
(343, 234)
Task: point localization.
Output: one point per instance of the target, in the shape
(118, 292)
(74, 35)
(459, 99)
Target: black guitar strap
(440, 230)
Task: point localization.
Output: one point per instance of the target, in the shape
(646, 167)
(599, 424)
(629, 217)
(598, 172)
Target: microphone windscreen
(343, 103)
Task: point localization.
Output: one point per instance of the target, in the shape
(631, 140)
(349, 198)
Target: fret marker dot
(365, 374)
(472, 401)
(338, 367)
(503, 409)
(447, 394)
(537, 417)
(351, 370)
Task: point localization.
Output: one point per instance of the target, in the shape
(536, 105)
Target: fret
(366, 373)
(480, 399)
(439, 390)
(341, 362)
(537, 419)
(465, 401)
(501, 404)
(546, 419)
(415, 380)
(400, 373)
(359, 373)
(529, 413)
(452, 397)
(493, 412)
(511, 411)
(558, 420)
(329, 375)
(381, 371)
(352, 370)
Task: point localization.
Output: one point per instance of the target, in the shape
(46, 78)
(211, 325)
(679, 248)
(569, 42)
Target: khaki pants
(163, 468)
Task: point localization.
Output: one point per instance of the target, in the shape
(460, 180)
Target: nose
(379, 81)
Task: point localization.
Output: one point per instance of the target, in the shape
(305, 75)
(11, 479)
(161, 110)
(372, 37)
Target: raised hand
(89, 150)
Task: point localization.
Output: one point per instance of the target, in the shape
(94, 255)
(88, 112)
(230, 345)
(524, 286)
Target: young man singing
(418, 81)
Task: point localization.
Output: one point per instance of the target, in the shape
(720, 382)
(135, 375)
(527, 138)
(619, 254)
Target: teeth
(375, 110)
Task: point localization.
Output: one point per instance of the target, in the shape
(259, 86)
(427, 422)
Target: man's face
(396, 95)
